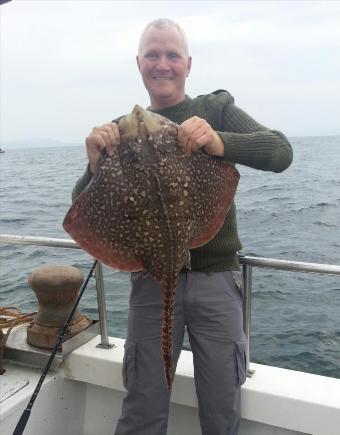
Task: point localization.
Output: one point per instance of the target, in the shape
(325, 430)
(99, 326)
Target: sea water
(294, 215)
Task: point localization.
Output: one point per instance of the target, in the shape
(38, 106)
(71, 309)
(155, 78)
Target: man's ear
(189, 65)
(137, 60)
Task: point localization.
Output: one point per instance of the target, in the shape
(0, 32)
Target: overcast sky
(67, 66)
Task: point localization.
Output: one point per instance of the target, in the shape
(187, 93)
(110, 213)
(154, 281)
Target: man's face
(164, 66)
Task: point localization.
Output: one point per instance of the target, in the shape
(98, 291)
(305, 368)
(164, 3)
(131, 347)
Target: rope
(10, 315)
(9, 318)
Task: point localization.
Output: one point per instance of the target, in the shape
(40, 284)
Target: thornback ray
(148, 204)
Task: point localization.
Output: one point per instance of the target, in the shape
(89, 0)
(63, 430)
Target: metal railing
(247, 263)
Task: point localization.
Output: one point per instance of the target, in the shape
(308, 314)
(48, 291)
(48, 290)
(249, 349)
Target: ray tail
(168, 315)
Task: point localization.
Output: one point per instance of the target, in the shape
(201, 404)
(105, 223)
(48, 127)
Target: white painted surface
(84, 398)
(286, 399)
(59, 408)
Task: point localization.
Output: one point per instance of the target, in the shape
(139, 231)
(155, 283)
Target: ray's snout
(138, 113)
(139, 123)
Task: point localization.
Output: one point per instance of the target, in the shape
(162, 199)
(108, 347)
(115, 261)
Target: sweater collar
(177, 108)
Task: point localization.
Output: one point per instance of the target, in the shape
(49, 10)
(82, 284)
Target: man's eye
(173, 56)
(151, 55)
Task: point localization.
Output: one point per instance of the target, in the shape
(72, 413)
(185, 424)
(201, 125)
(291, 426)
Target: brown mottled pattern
(149, 203)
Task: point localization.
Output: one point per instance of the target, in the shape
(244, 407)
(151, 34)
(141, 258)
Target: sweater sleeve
(249, 143)
(83, 181)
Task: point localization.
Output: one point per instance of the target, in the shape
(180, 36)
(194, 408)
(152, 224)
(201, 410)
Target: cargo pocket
(129, 371)
(240, 355)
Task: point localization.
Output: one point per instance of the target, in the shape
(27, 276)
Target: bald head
(164, 23)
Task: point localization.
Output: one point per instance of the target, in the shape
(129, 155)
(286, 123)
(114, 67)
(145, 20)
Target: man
(209, 296)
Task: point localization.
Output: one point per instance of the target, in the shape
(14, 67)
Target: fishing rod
(20, 427)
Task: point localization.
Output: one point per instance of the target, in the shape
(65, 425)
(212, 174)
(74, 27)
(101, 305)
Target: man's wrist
(217, 147)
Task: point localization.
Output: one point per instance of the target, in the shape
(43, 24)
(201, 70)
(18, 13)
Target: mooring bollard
(56, 289)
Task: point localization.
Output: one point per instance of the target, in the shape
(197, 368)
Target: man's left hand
(196, 133)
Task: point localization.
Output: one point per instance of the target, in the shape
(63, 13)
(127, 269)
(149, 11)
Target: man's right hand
(105, 137)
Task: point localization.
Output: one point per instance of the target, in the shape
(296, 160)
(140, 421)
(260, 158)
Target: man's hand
(105, 137)
(195, 133)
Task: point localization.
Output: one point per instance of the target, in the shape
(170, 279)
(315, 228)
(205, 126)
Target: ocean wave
(317, 206)
(12, 220)
(325, 224)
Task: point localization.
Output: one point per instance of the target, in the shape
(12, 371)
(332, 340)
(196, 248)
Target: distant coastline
(53, 143)
(38, 143)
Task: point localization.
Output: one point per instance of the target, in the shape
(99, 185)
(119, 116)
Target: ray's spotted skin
(148, 204)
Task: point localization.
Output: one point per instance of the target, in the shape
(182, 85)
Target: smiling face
(164, 65)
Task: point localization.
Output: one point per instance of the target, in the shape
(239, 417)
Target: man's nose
(163, 63)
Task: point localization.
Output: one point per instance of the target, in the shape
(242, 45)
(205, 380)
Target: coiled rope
(9, 318)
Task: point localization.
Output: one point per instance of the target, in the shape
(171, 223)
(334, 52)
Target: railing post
(247, 279)
(102, 308)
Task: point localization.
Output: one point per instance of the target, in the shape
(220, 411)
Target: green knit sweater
(246, 142)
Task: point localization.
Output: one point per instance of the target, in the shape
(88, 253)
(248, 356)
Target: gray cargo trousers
(209, 305)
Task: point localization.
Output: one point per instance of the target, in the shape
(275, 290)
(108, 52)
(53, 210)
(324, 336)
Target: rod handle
(20, 427)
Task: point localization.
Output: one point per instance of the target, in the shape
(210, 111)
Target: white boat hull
(84, 395)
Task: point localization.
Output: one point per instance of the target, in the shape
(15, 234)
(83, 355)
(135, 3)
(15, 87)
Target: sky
(67, 66)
